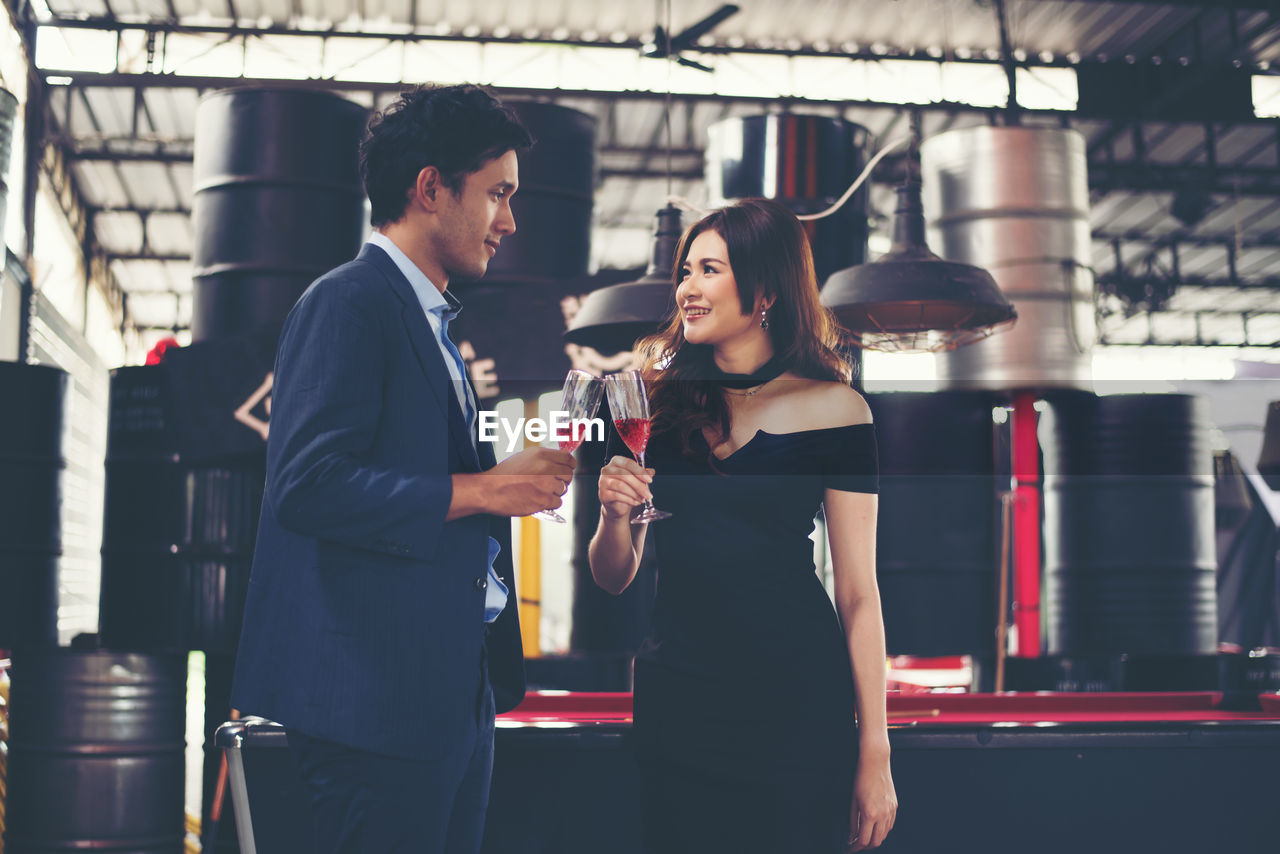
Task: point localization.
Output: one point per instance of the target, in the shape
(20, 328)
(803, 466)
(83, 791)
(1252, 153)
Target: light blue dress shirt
(439, 308)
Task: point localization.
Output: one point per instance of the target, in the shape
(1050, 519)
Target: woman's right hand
(623, 485)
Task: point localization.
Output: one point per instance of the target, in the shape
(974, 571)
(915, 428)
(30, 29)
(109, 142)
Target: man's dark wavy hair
(456, 129)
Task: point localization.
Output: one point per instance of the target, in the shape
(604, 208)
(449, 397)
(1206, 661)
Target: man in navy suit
(378, 628)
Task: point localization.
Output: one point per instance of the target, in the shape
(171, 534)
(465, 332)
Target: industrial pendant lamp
(910, 300)
(612, 319)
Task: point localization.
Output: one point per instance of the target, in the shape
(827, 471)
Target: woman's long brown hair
(770, 257)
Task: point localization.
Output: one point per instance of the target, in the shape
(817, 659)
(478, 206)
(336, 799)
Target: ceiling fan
(661, 47)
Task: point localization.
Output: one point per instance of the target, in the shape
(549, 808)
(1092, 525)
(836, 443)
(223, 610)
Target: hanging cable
(1012, 110)
(666, 108)
(685, 204)
(857, 182)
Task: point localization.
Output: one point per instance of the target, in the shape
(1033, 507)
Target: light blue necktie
(464, 395)
(495, 597)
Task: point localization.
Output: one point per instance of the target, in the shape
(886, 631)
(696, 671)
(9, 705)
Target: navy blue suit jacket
(364, 620)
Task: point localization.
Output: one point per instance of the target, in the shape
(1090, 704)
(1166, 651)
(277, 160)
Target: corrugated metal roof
(1113, 29)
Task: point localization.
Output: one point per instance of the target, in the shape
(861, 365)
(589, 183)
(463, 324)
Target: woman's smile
(710, 305)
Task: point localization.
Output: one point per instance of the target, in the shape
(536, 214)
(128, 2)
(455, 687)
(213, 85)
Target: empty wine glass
(629, 403)
(580, 399)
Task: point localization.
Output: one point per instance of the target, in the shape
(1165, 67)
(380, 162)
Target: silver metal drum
(1015, 201)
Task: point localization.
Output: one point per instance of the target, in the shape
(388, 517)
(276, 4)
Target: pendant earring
(764, 318)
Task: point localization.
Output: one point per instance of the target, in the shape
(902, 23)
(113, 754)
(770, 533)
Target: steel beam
(105, 155)
(200, 83)
(1133, 176)
(1206, 5)
(146, 256)
(1256, 241)
(140, 210)
(1104, 341)
(1270, 283)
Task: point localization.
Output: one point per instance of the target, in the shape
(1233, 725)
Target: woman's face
(707, 295)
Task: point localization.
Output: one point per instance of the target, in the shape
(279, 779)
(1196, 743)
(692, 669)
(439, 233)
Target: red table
(562, 709)
(1040, 772)
(998, 774)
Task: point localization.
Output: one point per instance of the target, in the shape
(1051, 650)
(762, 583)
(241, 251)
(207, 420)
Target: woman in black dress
(759, 708)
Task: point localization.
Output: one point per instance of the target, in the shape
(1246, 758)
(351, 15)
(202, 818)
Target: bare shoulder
(838, 405)
(822, 404)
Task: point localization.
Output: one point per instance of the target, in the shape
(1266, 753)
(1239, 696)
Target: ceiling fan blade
(693, 64)
(690, 35)
(657, 45)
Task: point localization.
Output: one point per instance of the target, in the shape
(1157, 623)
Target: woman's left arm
(851, 531)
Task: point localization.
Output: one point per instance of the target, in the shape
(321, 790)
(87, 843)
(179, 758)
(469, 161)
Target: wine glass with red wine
(629, 403)
(580, 399)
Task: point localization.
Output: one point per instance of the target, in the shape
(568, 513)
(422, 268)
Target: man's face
(473, 222)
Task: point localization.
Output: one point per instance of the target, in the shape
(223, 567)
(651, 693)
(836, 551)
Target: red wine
(570, 445)
(635, 432)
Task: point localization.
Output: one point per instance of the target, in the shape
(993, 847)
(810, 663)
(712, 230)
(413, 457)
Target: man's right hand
(524, 483)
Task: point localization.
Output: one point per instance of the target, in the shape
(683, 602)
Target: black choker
(767, 372)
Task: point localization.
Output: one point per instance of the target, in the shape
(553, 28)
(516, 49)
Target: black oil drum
(806, 162)
(177, 537)
(1130, 557)
(936, 539)
(96, 752)
(278, 201)
(553, 206)
(31, 465)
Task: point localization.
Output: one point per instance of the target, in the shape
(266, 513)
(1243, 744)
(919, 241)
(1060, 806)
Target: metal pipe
(1026, 525)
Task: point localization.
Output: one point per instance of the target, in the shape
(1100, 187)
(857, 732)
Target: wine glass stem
(648, 502)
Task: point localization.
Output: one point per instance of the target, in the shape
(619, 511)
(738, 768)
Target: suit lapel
(427, 349)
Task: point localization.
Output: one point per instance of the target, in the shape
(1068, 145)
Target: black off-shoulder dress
(744, 697)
